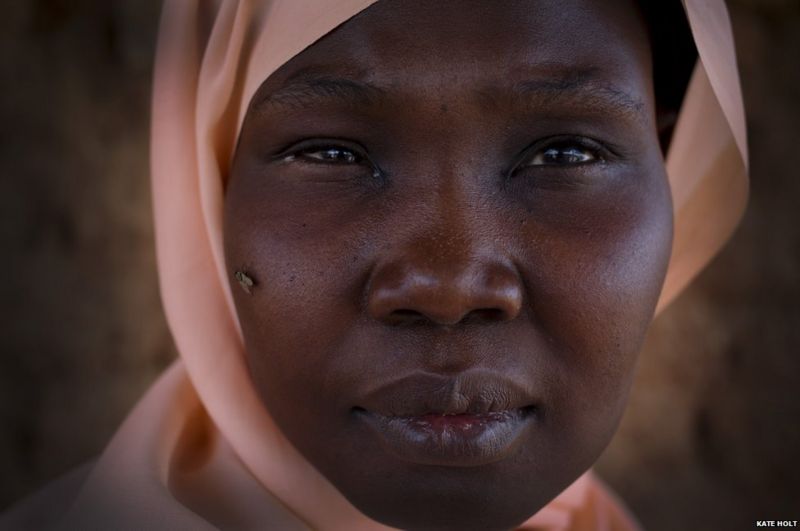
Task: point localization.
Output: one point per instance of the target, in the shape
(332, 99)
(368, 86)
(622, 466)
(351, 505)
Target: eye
(564, 152)
(326, 153)
(327, 156)
(330, 155)
(553, 155)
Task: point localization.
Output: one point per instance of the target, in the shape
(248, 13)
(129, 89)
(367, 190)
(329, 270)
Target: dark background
(711, 439)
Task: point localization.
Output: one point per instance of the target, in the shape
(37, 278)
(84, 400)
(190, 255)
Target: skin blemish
(245, 281)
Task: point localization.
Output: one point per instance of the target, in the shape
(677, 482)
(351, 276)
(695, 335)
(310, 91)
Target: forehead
(437, 48)
(503, 31)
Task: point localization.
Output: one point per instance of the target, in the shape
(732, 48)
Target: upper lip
(474, 392)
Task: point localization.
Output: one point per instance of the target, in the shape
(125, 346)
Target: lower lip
(450, 440)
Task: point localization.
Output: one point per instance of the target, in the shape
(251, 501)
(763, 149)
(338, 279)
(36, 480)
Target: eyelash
(304, 152)
(592, 151)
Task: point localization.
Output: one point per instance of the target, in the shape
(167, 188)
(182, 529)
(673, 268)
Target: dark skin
(440, 202)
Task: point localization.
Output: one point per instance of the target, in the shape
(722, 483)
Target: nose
(418, 286)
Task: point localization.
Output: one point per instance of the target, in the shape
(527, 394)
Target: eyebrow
(582, 88)
(304, 91)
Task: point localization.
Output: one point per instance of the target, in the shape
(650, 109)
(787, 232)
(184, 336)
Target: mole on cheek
(245, 280)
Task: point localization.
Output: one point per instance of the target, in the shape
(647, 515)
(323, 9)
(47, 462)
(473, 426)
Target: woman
(408, 252)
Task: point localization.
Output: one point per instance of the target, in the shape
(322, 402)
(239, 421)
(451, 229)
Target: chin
(450, 498)
(438, 516)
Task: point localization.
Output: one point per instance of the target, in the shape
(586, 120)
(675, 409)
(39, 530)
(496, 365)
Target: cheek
(310, 275)
(594, 283)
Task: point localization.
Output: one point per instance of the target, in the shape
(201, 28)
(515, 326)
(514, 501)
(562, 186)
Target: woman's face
(457, 219)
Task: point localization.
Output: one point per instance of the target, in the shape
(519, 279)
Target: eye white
(335, 155)
(558, 156)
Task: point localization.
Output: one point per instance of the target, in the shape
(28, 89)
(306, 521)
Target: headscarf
(200, 451)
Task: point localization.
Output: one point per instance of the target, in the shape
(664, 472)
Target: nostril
(482, 315)
(489, 315)
(404, 316)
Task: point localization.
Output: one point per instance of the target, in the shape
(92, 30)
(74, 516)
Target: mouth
(471, 420)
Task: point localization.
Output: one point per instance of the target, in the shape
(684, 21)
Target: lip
(469, 420)
(450, 440)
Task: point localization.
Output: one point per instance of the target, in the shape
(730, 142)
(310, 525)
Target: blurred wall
(711, 437)
(81, 326)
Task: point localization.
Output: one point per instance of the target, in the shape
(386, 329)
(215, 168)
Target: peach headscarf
(200, 451)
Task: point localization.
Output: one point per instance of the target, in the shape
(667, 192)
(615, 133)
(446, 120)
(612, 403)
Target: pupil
(338, 155)
(564, 156)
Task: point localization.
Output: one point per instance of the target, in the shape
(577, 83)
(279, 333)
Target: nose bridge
(448, 270)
